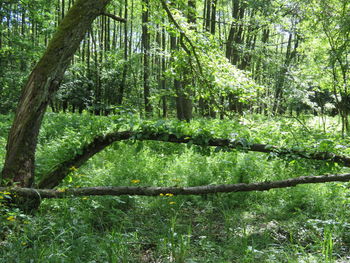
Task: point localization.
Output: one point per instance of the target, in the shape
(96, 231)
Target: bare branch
(114, 17)
(156, 191)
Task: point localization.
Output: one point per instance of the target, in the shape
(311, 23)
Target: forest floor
(307, 223)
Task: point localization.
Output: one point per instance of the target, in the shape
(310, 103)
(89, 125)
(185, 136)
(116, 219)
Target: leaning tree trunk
(40, 87)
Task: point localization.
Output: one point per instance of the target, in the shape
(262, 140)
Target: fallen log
(159, 191)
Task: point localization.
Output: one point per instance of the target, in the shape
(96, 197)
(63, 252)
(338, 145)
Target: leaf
(217, 149)
(139, 147)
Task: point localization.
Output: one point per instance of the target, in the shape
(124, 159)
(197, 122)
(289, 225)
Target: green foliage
(306, 223)
(205, 70)
(64, 135)
(303, 224)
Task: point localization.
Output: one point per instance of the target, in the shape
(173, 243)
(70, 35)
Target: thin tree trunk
(213, 17)
(163, 80)
(146, 51)
(290, 55)
(183, 102)
(120, 94)
(207, 15)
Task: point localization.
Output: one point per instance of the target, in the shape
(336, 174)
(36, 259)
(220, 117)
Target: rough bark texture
(55, 177)
(157, 191)
(41, 85)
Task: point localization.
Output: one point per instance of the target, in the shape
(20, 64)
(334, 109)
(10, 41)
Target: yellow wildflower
(161, 194)
(73, 169)
(11, 218)
(176, 180)
(135, 181)
(85, 198)
(168, 194)
(172, 203)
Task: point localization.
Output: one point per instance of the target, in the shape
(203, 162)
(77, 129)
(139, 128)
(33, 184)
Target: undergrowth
(307, 223)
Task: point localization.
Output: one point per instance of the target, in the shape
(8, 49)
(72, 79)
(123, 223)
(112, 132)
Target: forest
(174, 131)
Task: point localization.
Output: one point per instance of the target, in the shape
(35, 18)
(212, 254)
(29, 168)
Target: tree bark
(40, 87)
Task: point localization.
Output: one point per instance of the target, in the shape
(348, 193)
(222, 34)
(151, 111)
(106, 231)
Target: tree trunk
(146, 50)
(183, 101)
(122, 85)
(42, 83)
(290, 55)
(231, 35)
(213, 17)
(163, 80)
(207, 15)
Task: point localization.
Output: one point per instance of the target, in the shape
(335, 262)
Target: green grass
(308, 223)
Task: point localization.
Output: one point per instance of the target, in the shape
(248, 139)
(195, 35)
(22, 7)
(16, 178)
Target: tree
(125, 66)
(199, 67)
(335, 23)
(41, 85)
(183, 100)
(146, 54)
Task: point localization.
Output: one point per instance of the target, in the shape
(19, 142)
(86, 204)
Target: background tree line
(209, 58)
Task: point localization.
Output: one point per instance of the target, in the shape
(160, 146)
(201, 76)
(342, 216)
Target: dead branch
(158, 191)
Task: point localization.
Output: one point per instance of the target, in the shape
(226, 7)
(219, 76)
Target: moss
(69, 35)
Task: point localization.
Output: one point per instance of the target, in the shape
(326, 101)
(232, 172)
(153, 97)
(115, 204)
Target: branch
(183, 35)
(156, 191)
(55, 177)
(114, 17)
(59, 172)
